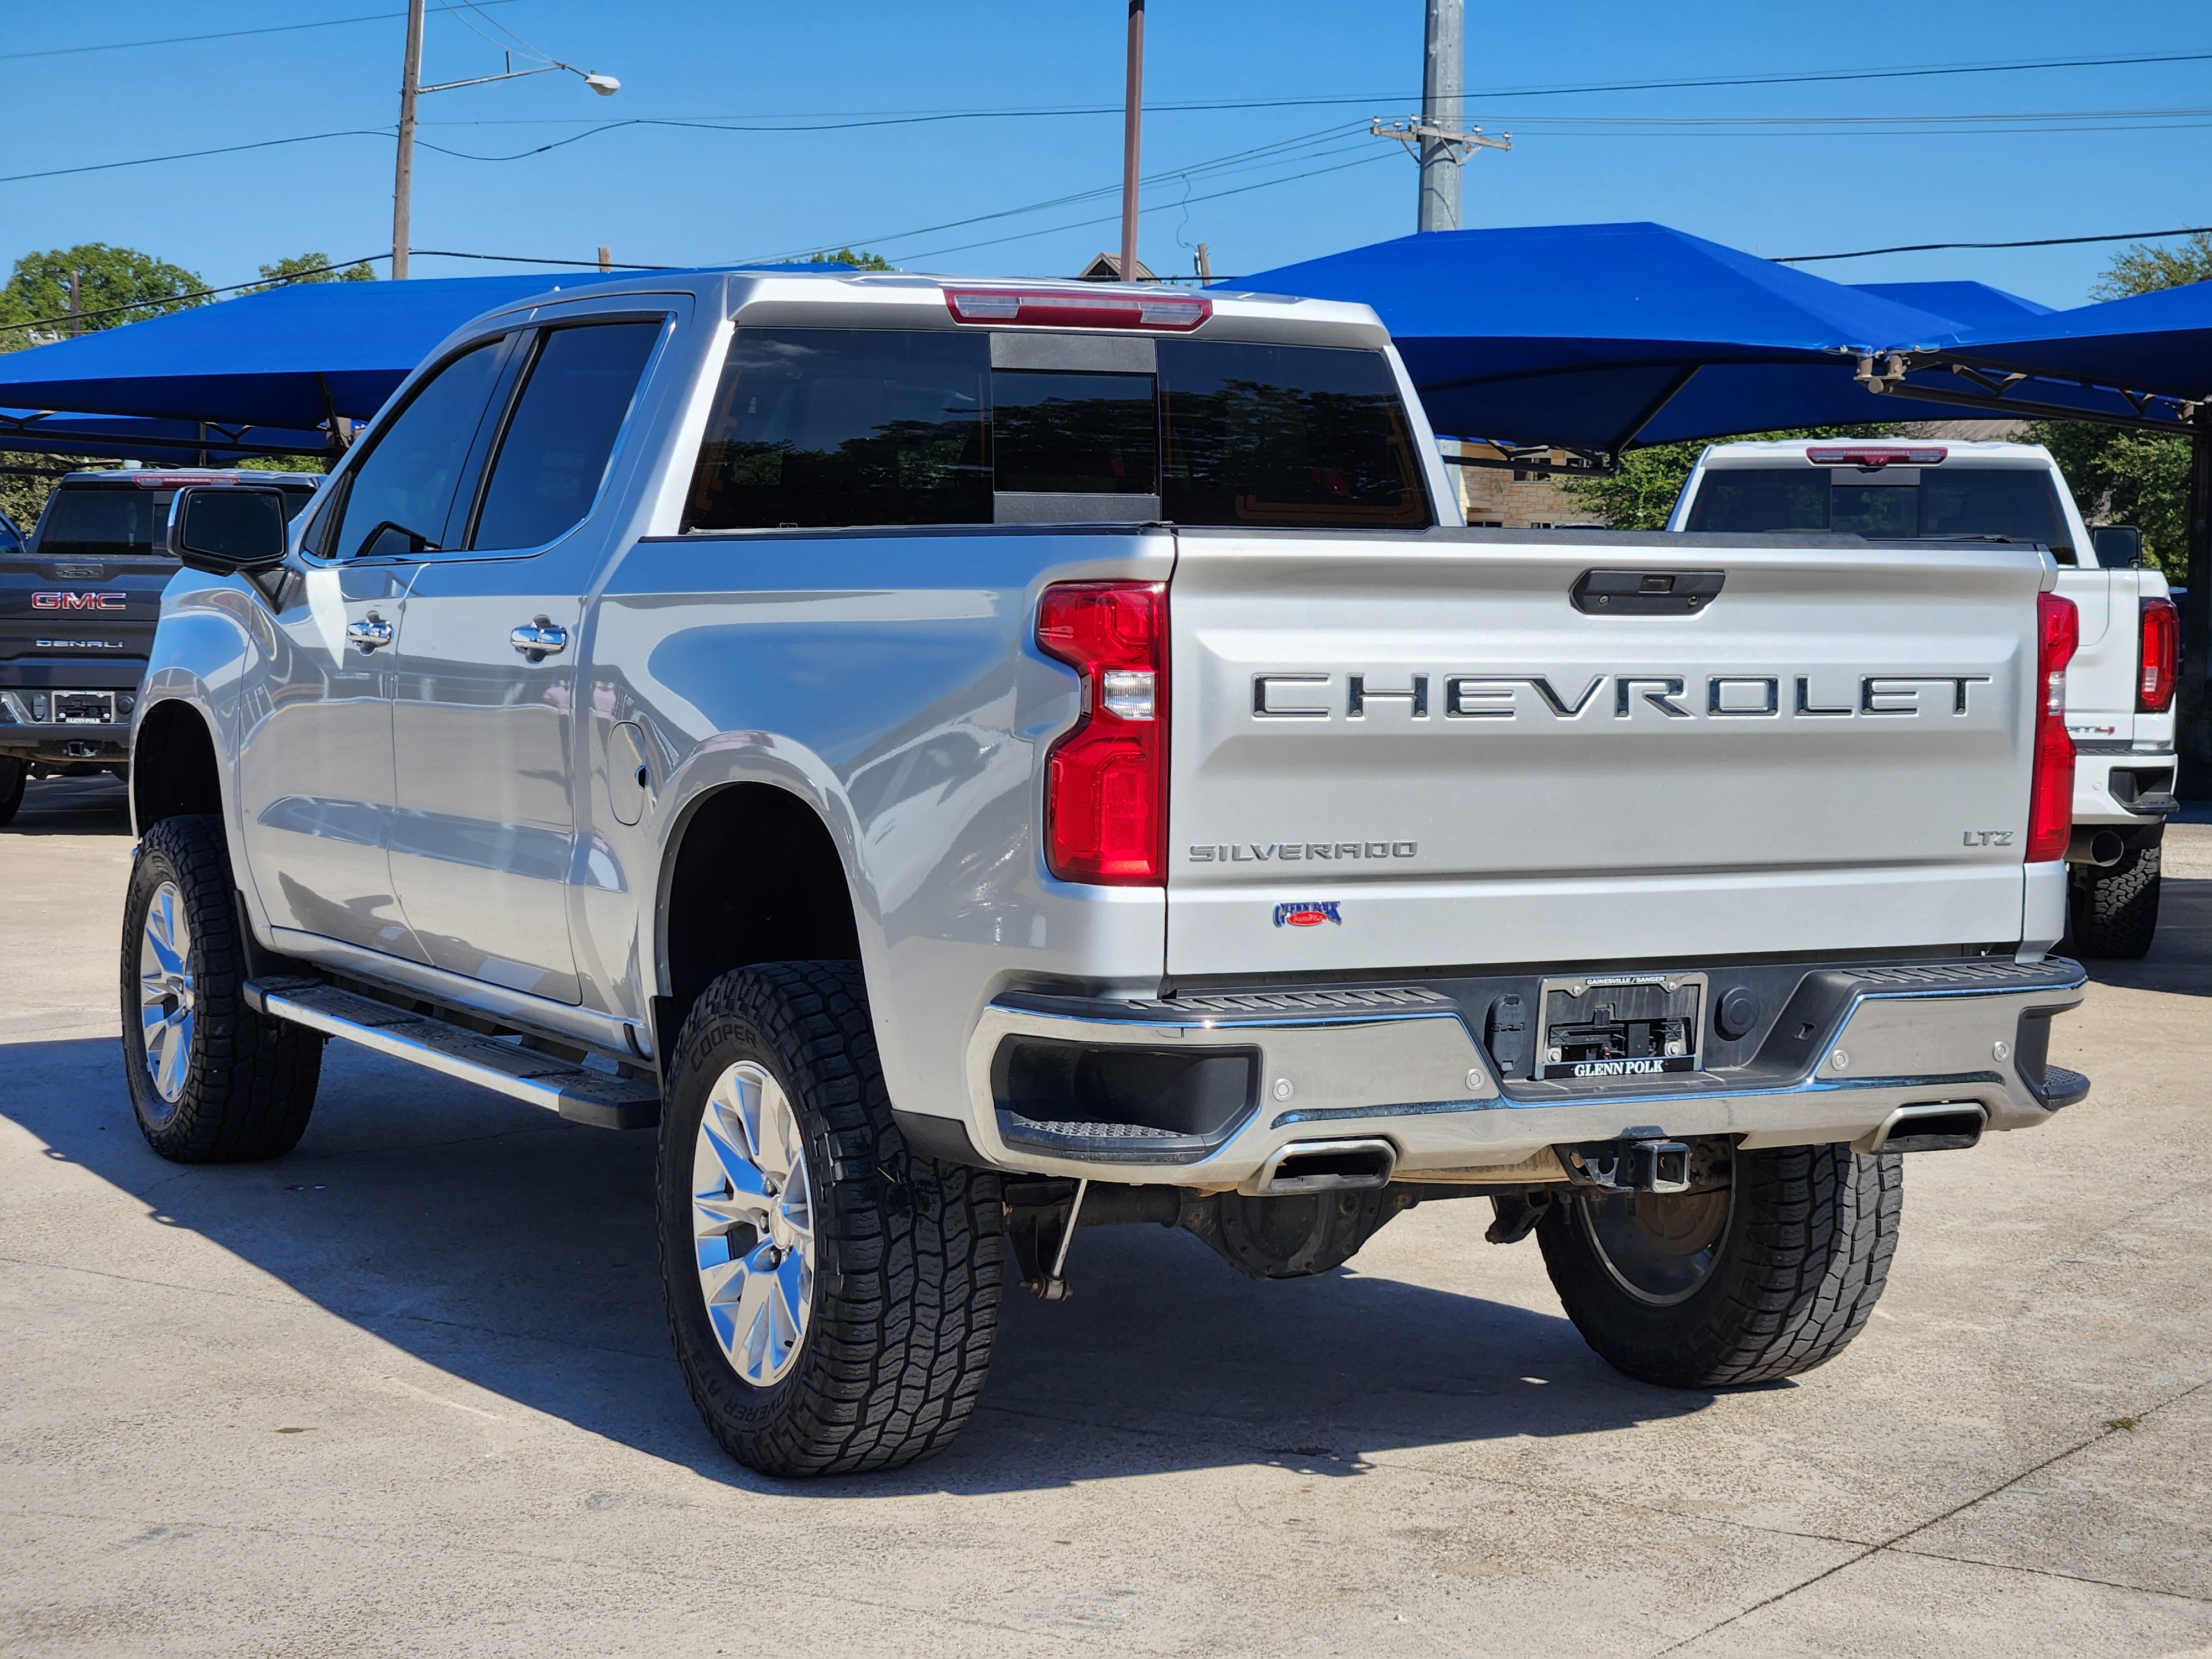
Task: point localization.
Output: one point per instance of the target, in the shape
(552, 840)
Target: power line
(195, 155)
(220, 34)
(2034, 241)
(520, 260)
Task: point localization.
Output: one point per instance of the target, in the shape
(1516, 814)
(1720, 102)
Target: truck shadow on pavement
(73, 806)
(517, 1253)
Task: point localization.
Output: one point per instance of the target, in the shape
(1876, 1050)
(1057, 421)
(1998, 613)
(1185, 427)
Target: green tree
(2120, 476)
(1642, 493)
(845, 256)
(310, 268)
(116, 285)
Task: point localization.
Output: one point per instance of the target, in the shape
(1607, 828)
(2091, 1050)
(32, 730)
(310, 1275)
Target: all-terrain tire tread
(908, 1266)
(2115, 912)
(1814, 1237)
(251, 1088)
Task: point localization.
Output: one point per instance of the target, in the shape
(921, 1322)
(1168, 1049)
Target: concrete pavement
(407, 1391)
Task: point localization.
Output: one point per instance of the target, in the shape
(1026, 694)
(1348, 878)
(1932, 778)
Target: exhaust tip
(1939, 1127)
(1327, 1166)
(2099, 848)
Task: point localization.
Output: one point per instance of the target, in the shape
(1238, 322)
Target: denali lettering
(1493, 696)
(1293, 851)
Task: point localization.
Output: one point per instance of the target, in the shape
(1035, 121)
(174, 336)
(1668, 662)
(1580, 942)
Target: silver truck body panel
(445, 816)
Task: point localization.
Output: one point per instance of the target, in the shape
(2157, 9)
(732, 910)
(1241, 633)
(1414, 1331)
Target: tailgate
(1420, 753)
(80, 608)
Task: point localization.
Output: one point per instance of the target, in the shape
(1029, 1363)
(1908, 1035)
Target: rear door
(484, 715)
(1403, 752)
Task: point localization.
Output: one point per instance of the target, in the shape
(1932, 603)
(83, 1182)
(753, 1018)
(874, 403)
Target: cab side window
(408, 479)
(553, 455)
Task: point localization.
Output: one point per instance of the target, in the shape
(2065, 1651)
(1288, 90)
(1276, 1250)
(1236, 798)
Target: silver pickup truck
(970, 762)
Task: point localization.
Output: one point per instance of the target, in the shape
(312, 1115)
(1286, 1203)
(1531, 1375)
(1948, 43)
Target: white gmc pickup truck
(2120, 684)
(970, 762)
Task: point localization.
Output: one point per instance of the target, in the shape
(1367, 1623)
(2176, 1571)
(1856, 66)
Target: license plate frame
(83, 708)
(1682, 997)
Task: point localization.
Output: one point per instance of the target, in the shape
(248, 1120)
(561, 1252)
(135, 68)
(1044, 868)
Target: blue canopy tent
(1596, 337)
(132, 437)
(278, 364)
(2144, 362)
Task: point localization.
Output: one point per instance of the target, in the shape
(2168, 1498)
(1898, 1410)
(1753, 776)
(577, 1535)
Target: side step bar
(578, 1093)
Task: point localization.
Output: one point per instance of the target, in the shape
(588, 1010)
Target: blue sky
(1800, 169)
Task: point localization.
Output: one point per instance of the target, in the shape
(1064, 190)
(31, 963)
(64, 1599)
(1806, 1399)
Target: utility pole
(411, 87)
(1132, 124)
(1441, 69)
(76, 301)
(1434, 137)
(403, 181)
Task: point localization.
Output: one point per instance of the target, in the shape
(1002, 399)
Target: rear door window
(554, 454)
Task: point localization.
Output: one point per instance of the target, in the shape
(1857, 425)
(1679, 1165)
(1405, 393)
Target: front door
(485, 678)
(314, 770)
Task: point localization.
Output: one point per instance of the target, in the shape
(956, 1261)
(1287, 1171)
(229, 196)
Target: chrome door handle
(368, 633)
(540, 638)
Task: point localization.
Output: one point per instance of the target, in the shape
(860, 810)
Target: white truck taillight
(2050, 791)
(2159, 661)
(1106, 781)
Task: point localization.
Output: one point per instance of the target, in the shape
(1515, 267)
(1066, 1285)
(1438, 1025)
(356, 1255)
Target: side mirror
(2119, 546)
(227, 531)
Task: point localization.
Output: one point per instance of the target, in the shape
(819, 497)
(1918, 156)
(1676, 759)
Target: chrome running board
(576, 1092)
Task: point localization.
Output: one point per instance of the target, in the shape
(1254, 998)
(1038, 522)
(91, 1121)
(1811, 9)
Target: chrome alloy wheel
(165, 991)
(1660, 1248)
(752, 1217)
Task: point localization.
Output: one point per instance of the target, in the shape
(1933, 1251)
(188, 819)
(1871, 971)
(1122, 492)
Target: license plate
(84, 709)
(1619, 1026)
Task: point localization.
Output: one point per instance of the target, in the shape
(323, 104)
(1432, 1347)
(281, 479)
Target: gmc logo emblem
(80, 601)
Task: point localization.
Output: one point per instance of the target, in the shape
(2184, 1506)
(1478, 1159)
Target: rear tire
(1775, 1279)
(211, 1080)
(2115, 912)
(14, 774)
(832, 1297)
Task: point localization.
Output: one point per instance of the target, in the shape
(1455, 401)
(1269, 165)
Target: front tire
(211, 1080)
(2115, 912)
(832, 1297)
(1771, 1275)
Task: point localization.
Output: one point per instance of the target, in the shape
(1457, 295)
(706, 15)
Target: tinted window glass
(2018, 503)
(833, 426)
(1755, 499)
(562, 433)
(408, 479)
(100, 521)
(1305, 435)
(1094, 434)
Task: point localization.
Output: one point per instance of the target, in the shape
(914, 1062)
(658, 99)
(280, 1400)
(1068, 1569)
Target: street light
(411, 87)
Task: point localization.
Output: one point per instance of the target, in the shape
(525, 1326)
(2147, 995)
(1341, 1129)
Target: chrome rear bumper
(1401, 1063)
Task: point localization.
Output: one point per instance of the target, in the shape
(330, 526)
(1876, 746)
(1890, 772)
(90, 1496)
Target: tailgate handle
(1646, 593)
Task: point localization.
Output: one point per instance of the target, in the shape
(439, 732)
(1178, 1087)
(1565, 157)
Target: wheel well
(757, 878)
(172, 765)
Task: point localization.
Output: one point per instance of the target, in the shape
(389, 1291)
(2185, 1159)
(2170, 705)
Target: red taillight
(1168, 310)
(1873, 460)
(1106, 782)
(2050, 792)
(2161, 657)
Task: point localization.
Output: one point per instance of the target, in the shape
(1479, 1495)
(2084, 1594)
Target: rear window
(112, 521)
(857, 427)
(1897, 503)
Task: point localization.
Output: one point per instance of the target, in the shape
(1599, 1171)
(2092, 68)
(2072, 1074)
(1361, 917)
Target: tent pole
(2192, 724)
(403, 177)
